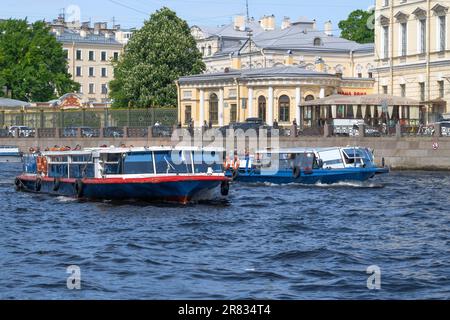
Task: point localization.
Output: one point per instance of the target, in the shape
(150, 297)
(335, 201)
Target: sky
(132, 13)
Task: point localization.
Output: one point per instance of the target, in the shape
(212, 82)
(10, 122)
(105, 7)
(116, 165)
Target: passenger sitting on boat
(55, 148)
(227, 163)
(236, 162)
(77, 147)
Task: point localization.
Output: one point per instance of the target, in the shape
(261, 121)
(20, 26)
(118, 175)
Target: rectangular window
(91, 56)
(443, 33)
(104, 89)
(116, 56)
(441, 89)
(404, 31)
(138, 163)
(422, 91)
(187, 95)
(370, 75)
(187, 114)
(104, 57)
(233, 113)
(403, 90)
(66, 53)
(385, 89)
(78, 72)
(423, 36)
(386, 41)
(91, 88)
(91, 71)
(359, 75)
(79, 55)
(104, 72)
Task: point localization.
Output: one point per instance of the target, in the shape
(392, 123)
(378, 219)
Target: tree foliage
(157, 55)
(33, 65)
(358, 27)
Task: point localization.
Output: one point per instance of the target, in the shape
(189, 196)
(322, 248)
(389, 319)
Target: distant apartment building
(90, 52)
(412, 46)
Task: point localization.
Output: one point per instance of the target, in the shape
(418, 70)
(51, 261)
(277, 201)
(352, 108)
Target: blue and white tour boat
(10, 154)
(165, 174)
(306, 166)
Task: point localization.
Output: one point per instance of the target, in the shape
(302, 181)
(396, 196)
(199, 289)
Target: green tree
(32, 62)
(157, 55)
(358, 27)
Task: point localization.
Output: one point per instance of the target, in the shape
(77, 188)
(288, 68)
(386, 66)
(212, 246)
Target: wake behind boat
(151, 174)
(306, 166)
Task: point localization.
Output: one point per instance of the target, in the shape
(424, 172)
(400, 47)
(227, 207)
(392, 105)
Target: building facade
(271, 94)
(262, 44)
(412, 52)
(90, 53)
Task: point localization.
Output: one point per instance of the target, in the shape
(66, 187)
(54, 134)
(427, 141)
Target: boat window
(355, 155)
(113, 157)
(82, 158)
(29, 164)
(58, 159)
(305, 160)
(180, 164)
(286, 161)
(58, 170)
(205, 160)
(138, 163)
(78, 171)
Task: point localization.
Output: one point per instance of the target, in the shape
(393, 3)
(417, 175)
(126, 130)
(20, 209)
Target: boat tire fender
(38, 184)
(56, 184)
(235, 174)
(18, 184)
(79, 186)
(296, 172)
(224, 188)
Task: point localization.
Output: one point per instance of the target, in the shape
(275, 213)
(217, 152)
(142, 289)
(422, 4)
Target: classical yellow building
(412, 52)
(271, 94)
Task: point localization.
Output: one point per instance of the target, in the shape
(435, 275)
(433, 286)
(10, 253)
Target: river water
(267, 242)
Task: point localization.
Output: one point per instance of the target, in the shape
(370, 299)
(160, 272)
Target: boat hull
(161, 189)
(319, 176)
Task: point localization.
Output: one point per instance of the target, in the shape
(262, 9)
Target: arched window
(209, 50)
(317, 41)
(309, 97)
(213, 109)
(262, 108)
(284, 108)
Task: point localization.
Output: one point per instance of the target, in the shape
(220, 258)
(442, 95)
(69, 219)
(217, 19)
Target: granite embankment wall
(400, 153)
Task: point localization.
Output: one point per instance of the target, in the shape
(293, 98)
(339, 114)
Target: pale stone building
(412, 52)
(262, 44)
(267, 93)
(90, 52)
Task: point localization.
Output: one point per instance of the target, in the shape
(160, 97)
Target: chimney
(268, 23)
(236, 60)
(314, 27)
(239, 23)
(286, 23)
(289, 58)
(328, 28)
(83, 33)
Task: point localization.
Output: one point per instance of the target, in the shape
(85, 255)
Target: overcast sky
(132, 13)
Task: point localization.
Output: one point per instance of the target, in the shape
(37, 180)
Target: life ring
(56, 184)
(296, 172)
(18, 184)
(235, 174)
(79, 186)
(38, 184)
(225, 188)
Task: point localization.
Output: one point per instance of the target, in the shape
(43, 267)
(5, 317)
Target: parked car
(24, 131)
(114, 132)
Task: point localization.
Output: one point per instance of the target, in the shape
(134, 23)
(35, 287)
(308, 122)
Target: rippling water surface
(268, 242)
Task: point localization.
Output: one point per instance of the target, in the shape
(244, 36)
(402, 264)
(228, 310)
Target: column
(221, 108)
(298, 101)
(322, 93)
(250, 102)
(202, 107)
(270, 107)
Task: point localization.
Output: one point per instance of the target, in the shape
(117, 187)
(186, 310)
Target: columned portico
(298, 101)
(202, 107)
(322, 93)
(221, 107)
(250, 102)
(270, 107)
